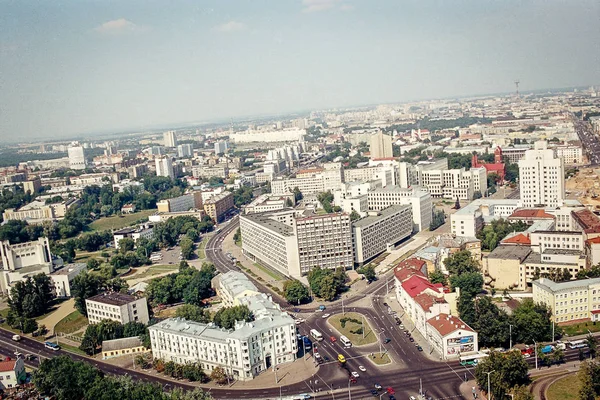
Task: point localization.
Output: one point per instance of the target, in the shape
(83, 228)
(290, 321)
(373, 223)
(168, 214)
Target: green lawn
(267, 271)
(154, 270)
(566, 388)
(72, 349)
(356, 338)
(84, 256)
(201, 247)
(118, 222)
(380, 358)
(71, 323)
(581, 328)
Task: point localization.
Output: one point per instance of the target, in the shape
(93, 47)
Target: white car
(355, 374)
(326, 316)
(363, 369)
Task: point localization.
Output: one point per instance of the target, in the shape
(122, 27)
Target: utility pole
(536, 362)
(349, 393)
(489, 393)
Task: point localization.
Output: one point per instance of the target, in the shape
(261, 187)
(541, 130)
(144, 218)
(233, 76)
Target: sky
(73, 67)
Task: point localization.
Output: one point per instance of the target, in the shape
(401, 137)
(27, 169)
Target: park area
(355, 327)
(120, 221)
(566, 388)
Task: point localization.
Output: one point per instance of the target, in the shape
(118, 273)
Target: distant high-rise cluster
(76, 156)
(164, 167)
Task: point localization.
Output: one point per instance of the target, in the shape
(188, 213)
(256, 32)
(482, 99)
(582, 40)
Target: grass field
(84, 256)
(118, 222)
(71, 323)
(566, 388)
(154, 270)
(267, 271)
(201, 247)
(380, 358)
(580, 328)
(356, 338)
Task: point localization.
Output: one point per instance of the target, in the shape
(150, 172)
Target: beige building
(216, 206)
(181, 203)
(37, 212)
(32, 185)
(119, 307)
(572, 301)
(451, 336)
(380, 146)
(122, 347)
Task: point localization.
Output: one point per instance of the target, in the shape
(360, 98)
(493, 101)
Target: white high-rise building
(220, 147)
(541, 177)
(76, 156)
(185, 150)
(170, 139)
(381, 146)
(164, 167)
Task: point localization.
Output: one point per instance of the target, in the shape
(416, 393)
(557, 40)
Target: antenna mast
(517, 86)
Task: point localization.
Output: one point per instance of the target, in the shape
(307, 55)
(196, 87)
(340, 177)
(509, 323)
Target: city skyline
(75, 69)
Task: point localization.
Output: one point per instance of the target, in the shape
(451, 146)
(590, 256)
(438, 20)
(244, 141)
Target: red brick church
(497, 167)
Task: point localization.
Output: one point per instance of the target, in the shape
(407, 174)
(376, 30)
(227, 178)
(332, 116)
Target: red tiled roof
(6, 366)
(588, 220)
(412, 262)
(402, 274)
(427, 300)
(535, 213)
(520, 239)
(493, 167)
(310, 171)
(595, 311)
(595, 240)
(417, 284)
(446, 324)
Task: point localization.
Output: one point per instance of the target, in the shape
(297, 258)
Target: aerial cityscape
(212, 210)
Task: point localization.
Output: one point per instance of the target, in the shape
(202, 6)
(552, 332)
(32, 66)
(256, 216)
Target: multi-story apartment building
(541, 177)
(220, 147)
(170, 139)
(570, 154)
(38, 212)
(63, 277)
(220, 170)
(32, 185)
(325, 241)
(380, 146)
(377, 233)
(164, 167)
(385, 174)
(419, 200)
(572, 301)
(185, 150)
(119, 307)
(217, 206)
(76, 157)
(515, 153)
(470, 219)
(181, 203)
(244, 352)
(144, 231)
(307, 185)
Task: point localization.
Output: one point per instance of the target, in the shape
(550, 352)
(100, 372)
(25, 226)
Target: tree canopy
(326, 283)
(295, 292)
(510, 370)
(227, 316)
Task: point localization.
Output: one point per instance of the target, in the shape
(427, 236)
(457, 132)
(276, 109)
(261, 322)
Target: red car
(391, 390)
(333, 339)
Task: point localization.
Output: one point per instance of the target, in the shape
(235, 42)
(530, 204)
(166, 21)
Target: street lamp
(380, 341)
(536, 362)
(489, 390)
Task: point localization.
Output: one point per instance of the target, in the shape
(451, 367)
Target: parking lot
(169, 255)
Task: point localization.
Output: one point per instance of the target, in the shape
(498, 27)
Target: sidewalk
(404, 251)
(64, 309)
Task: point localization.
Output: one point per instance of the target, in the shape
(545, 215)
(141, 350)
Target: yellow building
(572, 301)
(218, 205)
(122, 347)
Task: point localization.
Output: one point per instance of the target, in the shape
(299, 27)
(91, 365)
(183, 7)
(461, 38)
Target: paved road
(589, 140)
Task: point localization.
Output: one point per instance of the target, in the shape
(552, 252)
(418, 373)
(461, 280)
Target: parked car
(355, 374)
(387, 340)
(16, 338)
(332, 339)
(411, 339)
(363, 369)
(51, 346)
(378, 386)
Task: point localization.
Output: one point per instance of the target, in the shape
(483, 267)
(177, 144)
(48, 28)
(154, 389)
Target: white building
(12, 373)
(76, 156)
(144, 231)
(232, 286)
(185, 150)
(220, 147)
(419, 200)
(450, 336)
(23, 259)
(62, 278)
(377, 233)
(286, 135)
(541, 177)
(570, 302)
(469, 220)
(244, 352)
(570, 154)
(380, 146)
(164, 167)
(170, 139)
(119, 307)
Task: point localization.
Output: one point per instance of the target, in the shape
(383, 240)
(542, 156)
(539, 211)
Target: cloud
(319, 5)
(117, 27)
(346, 7)
(231, 26)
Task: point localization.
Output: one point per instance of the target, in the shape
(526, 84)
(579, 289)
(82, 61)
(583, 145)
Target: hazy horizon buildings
(170, 139)
(381, 146)
(76, 156)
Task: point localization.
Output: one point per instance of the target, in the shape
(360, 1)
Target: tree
(237, 236)
(199, 287)
(592, 345)
(126, 244)
(585, 375)
(325, 284)
(492, 234)
(354, 216)
(438, 218)
(226, 317)
(289, 202)
(85, 285)
(470, 283)
(461, 262)
(369, 272)
(187, 248)
(65, 378)
(219, 375)
(193, 312)
(521, 392)
(438, 277)
(477, 195)
(531, 321)
(32, 297)
(297, 194)
(510, 370)
(295, 292)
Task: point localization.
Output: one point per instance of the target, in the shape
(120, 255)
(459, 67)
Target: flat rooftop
(510, 252)
(385, 213)
(270, 224)
(114, 299)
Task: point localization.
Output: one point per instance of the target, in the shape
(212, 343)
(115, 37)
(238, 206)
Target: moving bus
(577, 344)
(345, 341)
(316, 335)
(472, 359)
